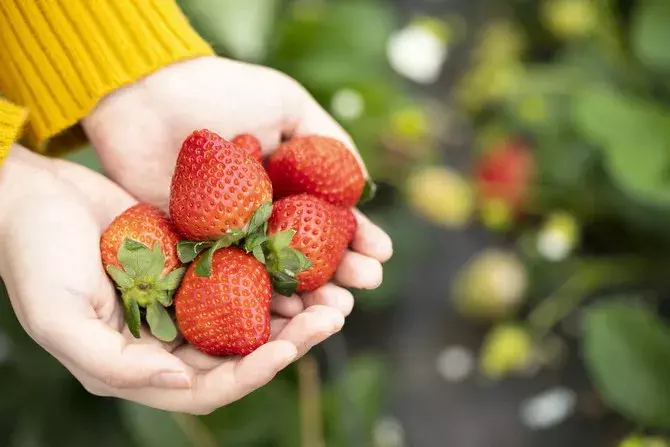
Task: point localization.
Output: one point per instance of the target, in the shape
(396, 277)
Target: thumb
(105, 355)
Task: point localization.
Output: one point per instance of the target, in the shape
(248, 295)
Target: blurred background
(523, 153)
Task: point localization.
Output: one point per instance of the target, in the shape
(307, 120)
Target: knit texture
(12, 119)
(58, 58)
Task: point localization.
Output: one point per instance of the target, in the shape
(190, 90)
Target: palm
(137, 131)
(73, 311)
(224, 96)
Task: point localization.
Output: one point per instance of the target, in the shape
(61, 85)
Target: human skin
(54, 212)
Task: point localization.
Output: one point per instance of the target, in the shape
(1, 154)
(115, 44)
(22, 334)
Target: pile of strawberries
(213, 264)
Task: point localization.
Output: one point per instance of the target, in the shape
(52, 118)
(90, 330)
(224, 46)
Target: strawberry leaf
(204, 265)
(261, 216)
(284, 284)
(281, 240)
(305, 263)
(253, 241)
(161, 325)
(138, 261)
(170, 282)
(121, 278)
(369, 192)
(156, 262)
(132, 317)
(288, 261)
(187, 251)
(165, 298)
(258, 254)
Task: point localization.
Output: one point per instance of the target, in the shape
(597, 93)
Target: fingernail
(171, 380)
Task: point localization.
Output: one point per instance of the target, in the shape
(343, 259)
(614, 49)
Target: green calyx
(282, 262)
(189, 250)
(143, 286)
(369, 192)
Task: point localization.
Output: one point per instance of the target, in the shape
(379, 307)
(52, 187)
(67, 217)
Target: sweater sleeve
(58, 58)
(12, 118)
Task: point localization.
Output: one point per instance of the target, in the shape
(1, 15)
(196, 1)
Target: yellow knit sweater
(58, 58)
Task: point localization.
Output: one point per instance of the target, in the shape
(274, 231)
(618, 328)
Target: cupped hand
(137, 132)
(53, 215)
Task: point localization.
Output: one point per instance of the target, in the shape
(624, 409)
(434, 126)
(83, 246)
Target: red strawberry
(250, 144)
(216, 187)
(320, 166)
(320, 236)
(504, 174)
(227, 313)
(138, 250)
(350, 224)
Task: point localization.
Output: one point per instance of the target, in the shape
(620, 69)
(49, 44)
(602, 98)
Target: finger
(196, 359)
(233, 379)
(370, 240)
(358, 271)
(287, 306)
(60, 307)
(106, 355)
(312, 327)
(332, 296)
(312, 118)
(277, 325)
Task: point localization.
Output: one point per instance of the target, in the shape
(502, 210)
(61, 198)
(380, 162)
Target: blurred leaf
(352, 402)
(635, 138)
(651, 33)
(335, 43)
(241, 28)
(408, 243)
(86, 157)
(626, 351)
(151, 427)
(268, 416)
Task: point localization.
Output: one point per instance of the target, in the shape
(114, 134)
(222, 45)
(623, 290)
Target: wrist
(23, 174)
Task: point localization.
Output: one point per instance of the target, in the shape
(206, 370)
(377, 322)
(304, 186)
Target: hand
(53, 213)
(137, 132)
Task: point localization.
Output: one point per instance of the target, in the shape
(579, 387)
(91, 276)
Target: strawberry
(320, 166)
(251, 145)
(138, 251)
(216, 187)
(307, 237)
(350, 225)
(217, 192)
(227, 313)
(504, 174)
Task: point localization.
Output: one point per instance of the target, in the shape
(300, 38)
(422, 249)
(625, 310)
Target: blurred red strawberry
(503, 177)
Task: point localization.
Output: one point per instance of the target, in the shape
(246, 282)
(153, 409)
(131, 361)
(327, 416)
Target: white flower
(554, 245)
(558, 237)
(388, 432)
(455, 363)
(347, 104)
(548, 408)
(417, 53)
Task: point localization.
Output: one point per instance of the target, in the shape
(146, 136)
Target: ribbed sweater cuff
(60, 57)
(12, 118)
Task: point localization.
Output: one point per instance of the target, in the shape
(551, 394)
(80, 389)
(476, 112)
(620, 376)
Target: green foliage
(635, 138)
(626, 350)
(353, 401)
(651, 34)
